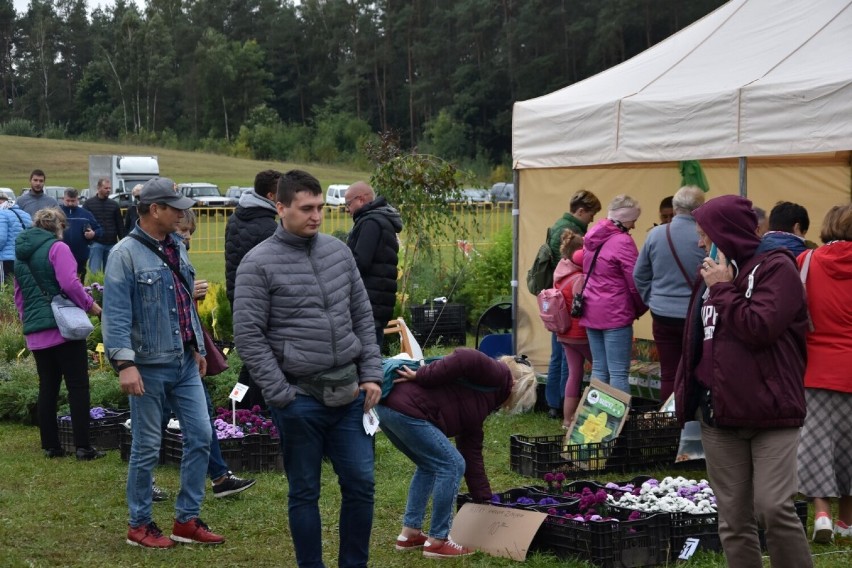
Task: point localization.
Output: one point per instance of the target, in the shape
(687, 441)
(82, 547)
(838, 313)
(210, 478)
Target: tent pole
(516, 178)
(743, 176)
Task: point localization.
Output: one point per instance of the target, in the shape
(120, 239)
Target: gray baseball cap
(162, 190)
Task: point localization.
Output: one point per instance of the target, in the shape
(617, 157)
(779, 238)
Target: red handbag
(216, 360)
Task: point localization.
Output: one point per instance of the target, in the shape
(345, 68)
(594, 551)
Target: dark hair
(266, 182)
(667, 203)
(785, 214)
(295, 181)
(837, 225)
(143, 208)
(584, 199)
(102, 180)
(71, 192)
(37, 173)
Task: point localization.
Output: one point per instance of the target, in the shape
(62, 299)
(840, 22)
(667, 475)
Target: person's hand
(89, 234)
(130, 382)
(200, 289)
(372, 394)
(714, 272)
(201, 362)
(95, 310)
(405, 375)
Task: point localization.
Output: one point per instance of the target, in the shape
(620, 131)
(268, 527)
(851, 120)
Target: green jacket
(567, 221)
(31, 251)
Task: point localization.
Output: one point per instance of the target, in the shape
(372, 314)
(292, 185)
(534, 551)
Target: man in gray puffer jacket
(304, 327)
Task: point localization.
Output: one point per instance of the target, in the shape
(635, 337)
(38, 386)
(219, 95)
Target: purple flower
(548, 477)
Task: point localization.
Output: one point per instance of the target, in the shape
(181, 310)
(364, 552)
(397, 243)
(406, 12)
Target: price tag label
(690, 545)
(238, 392)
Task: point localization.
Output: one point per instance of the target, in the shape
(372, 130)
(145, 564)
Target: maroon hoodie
(745, 340)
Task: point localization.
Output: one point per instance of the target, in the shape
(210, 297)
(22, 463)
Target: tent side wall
(816, 182)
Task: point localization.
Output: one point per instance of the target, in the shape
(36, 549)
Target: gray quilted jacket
(300, 308)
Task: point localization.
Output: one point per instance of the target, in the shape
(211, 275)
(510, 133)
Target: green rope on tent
(692, 174)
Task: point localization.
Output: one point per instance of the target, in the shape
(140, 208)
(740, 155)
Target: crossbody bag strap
(674, 254)
(165, 259)
(591, 268)
(803, 274)
(21, 221)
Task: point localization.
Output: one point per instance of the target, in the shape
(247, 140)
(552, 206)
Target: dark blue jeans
(309, 432)
(557, 375)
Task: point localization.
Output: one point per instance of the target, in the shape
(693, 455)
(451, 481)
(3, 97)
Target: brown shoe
(446, 549)
(148, 536)
(194, 531)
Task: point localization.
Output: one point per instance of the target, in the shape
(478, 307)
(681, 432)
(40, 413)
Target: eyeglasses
(349, 203)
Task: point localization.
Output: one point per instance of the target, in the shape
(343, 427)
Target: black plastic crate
(441, 323)
(618, 543)
(535, 456)
(171, 447)
(262, 452)
(648, 440)
(509, 498)
(104, 433)
(801, 512)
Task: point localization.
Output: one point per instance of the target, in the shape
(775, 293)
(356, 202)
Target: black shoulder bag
(578, 301)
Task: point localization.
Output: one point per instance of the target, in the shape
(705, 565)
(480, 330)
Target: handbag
(216, 361)
(72, 321)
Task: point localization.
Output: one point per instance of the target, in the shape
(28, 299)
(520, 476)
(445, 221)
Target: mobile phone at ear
(714, 252)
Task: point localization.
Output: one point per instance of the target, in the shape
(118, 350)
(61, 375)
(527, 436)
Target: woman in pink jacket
(612, 301)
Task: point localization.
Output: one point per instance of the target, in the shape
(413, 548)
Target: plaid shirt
(184, 301)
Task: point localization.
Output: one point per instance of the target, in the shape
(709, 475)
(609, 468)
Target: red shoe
(148, 536)
(447, 549)
(410, 543)
(195, 531)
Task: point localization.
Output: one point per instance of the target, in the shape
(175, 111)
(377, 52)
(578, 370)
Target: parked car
(87, 194)
(335, 196)
(124, 199)
(204, 194)
(56, 191)
(9, 193)
(473, 196)
(234, 193)
(503, 192)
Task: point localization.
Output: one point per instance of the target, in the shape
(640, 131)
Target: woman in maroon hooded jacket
(449, 398)
(741, 375)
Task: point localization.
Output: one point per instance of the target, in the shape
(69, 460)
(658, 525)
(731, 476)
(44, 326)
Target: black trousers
(70, 360)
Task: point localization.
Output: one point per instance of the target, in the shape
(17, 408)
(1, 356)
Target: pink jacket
(612, 300)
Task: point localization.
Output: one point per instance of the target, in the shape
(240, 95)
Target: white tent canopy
(753, 78)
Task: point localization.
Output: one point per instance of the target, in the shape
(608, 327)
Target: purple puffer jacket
(612, 300)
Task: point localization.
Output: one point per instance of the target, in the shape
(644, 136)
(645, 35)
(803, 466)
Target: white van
(335, 194)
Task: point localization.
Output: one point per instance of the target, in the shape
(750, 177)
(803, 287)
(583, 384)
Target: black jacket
(108, 214)
(374, 244)
(252, 222)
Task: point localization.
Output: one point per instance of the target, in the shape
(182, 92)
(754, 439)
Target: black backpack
(540, 274)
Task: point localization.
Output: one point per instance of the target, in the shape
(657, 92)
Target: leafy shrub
(55, 131)
(488, 277)
(18, 127)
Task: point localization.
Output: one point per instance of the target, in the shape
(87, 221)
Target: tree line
(273, 79)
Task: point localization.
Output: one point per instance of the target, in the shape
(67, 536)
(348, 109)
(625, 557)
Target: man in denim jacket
(153, 337)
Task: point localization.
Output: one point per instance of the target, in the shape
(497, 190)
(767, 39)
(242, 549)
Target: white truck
(123, 171)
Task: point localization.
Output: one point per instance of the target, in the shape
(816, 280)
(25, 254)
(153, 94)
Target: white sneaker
(823, 530)
(841, 532)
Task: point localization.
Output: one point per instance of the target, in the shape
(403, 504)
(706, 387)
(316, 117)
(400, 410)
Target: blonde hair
(51, 219)
(837, 225)
(523, 395)
(570, 243)
(187, 223)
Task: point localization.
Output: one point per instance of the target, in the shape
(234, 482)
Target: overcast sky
(22, 5)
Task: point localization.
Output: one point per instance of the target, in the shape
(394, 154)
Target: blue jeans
(309, 432)
(216, 466)
(440, 468)
(557, 375)
(179, 383)
(611, 350)
(98, 254)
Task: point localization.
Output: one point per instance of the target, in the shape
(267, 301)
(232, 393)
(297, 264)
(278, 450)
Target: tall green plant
(420, 186)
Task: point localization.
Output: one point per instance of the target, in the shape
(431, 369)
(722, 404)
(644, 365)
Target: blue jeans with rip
(179, 383)
(310, 431)
(557, 375)
(98, 254)
(440, 468)
(611, 350)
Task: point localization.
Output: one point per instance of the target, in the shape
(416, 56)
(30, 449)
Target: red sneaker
(410, 543)
(447, 549)
(148, 536)
(195, 531)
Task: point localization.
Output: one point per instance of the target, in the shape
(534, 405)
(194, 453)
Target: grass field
(69, 513)
(66, 163)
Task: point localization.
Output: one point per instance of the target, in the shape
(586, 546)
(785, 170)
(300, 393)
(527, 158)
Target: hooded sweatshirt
(253, 221)
(611, 298)
(745, 339)
(829, 293)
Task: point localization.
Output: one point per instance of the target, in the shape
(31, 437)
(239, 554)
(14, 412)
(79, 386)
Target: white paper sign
(690, 545)
(238, 392)
(371, 422)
